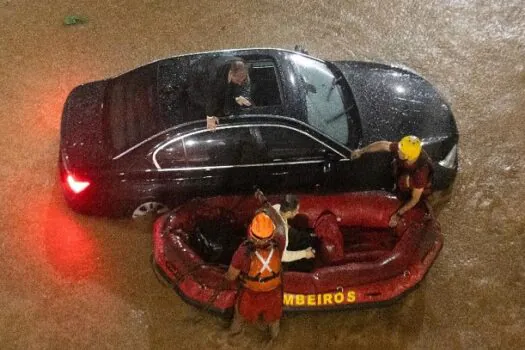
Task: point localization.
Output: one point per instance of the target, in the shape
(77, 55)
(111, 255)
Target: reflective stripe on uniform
(265, 262)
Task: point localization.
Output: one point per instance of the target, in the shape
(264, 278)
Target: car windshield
(324, 98)
(131, 108)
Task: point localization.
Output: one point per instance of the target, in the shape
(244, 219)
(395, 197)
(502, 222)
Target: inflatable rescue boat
(360, 260)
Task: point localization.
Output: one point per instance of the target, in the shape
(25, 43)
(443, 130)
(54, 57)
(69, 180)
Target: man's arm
(212, 102)
(414, 199)
(215, 88)
(242, 94)
(378, 146)
(211, 106)
(259, 195)
(293, 255)
(416, 196)
(232, 274)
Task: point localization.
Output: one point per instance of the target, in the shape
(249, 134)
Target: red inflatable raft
(359, 261)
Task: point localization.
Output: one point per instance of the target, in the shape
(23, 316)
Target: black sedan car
(127, 150)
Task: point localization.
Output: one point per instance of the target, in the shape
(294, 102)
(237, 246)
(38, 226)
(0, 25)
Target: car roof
(215, 52)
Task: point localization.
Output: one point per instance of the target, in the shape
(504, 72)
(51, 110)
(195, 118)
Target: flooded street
(72, 281)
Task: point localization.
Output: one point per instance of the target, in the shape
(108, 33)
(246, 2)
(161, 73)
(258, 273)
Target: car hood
(393, 102)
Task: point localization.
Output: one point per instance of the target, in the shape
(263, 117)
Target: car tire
(148, 208)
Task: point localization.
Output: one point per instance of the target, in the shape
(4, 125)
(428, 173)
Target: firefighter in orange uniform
(257, 263)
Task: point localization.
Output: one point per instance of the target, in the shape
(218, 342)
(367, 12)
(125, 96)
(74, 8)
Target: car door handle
(281, 173)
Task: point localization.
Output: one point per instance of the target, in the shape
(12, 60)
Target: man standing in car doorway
(216, 86)
(412, 168)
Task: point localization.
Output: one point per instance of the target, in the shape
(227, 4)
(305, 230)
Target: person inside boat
(217, 86)
(257, 263)
(412, 168)
(298, 251)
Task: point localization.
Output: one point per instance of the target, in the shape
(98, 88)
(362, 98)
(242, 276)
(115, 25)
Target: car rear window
(132, 108)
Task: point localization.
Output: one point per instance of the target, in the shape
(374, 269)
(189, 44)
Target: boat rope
(161, 280)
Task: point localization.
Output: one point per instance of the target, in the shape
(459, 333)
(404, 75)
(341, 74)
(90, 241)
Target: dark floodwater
(68, 281)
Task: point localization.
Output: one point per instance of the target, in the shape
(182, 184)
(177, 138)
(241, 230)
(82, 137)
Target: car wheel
(149, 208)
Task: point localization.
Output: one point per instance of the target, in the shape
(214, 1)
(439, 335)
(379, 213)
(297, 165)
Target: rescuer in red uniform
(412, 168)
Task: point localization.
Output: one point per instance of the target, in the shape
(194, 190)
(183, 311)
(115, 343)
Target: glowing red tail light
(75, 185)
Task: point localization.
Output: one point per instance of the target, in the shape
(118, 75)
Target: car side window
(286, 145)
(171, 156)
(223, 147)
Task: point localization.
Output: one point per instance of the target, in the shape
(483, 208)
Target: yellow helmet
(410, 147)
(262, 226)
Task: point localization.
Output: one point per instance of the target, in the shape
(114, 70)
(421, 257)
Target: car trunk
(83, 140)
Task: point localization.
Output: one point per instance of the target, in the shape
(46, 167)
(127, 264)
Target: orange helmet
(262, 226)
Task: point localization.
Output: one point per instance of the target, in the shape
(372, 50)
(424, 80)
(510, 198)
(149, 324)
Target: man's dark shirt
(209, 92)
